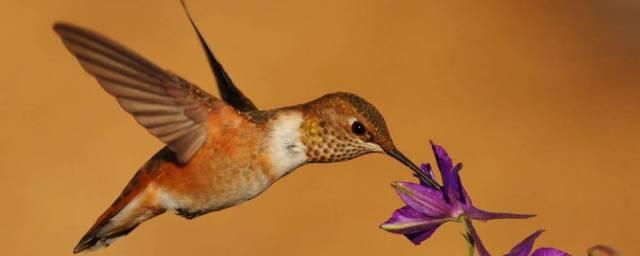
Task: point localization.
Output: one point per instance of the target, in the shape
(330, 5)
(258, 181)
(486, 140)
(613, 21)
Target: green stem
(467, 237)
(471, 248)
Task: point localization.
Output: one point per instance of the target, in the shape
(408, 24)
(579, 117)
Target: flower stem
(468, 239)
(473, 235)
(471, 249)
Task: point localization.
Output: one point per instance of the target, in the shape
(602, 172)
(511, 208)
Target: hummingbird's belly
(212, 189)
(232, 188)
(228, 170)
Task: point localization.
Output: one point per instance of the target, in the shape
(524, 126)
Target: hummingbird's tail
(136, 204)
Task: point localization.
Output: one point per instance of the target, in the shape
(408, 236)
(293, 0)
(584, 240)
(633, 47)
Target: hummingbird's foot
(189, 214)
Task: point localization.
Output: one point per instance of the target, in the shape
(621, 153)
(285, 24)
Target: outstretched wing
(172, 109)
(229, 92)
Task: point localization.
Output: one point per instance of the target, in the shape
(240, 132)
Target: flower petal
(482, 215)
(524, 248)
(417, 238)
(442, 158)
(425, 200)
(549, 252)
(476, 238)
(406, 220)
(426, 169)
(452, 185)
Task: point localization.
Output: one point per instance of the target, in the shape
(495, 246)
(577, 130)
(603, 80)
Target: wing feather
(230, 93)
(172, 109)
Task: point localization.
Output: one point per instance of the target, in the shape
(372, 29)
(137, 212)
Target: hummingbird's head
(341, 126)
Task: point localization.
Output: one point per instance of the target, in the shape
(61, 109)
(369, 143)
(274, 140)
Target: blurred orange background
(539, 99)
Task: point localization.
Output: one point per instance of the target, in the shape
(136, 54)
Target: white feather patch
(286, 150)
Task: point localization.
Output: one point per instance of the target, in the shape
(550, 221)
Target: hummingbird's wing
(229, 92)
(172, 109)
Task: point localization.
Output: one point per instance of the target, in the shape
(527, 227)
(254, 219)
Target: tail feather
(136, 204)
(118, 221)
(92, 241)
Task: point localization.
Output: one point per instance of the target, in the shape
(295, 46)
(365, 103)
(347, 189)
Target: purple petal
(452, 186)
(425, 200)
(524, 248)
(476, 238)
(426, 169)
(481, 215)
(549, 252)
(406, 220)
(417, 238)
(442, 158)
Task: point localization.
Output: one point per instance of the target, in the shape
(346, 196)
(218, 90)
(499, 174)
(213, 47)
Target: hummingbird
(219, 152)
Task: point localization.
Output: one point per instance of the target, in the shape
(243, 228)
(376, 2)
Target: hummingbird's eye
(358, 128)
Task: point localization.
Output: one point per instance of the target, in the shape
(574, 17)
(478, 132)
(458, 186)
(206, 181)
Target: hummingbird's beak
(403, 159)
(395, 153)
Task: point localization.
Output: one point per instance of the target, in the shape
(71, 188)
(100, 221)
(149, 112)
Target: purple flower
(427, 207)
(525, 247)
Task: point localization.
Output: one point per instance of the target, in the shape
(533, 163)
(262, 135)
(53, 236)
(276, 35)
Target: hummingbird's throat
(285, 148)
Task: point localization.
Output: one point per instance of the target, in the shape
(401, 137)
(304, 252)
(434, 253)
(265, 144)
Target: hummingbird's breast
(241, 158)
